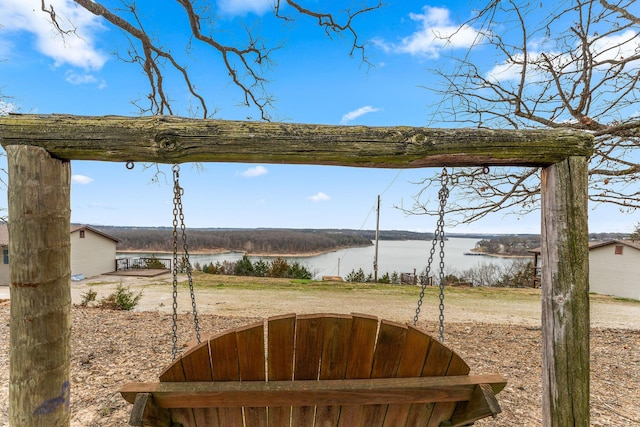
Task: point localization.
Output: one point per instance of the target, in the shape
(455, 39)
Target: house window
(5, 256)
(82, 234)
(618, 250)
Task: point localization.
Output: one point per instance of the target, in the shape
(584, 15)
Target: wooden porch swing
(315, 370)
(39, 149)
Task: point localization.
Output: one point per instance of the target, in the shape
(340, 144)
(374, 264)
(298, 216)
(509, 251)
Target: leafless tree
(245, 60)
(568, 64)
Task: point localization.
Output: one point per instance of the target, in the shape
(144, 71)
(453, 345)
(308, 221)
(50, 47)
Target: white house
(92, 252)
(614, 268)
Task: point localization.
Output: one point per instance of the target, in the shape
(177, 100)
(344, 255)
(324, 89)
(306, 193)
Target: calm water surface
(401, 256)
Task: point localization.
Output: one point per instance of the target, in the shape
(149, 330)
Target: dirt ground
(110, 348)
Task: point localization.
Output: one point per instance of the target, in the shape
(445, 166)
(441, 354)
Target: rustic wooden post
(40, 322)
(565, 294)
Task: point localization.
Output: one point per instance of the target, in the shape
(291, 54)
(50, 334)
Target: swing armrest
(145, 410)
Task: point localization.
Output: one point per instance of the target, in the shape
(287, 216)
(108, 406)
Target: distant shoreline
(476, 252)
(249, 254)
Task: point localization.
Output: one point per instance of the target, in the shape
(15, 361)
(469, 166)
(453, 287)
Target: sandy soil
(606, 312)
(111, 348)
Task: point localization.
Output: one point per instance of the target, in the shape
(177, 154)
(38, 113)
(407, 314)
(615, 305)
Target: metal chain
(179, 214)
(438, 238)
(174, 264)
(443, 194)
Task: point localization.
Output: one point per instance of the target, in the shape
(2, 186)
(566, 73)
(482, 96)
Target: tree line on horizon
(520, 245)
(298, 241)
(266, 241)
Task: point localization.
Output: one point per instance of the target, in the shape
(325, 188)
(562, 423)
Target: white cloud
(436, 31)
(536, 68)
(320, 197)
(76, 49)
(616, 47)
(242, 7)
(82, 79)
(352, 115)
(506, 71)
(253, 172)
(6, 108)
(81, 179)
(101, 206)
(611, 48)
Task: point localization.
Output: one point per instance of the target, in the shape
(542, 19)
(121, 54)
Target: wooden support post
(565, 294)
(40, 321)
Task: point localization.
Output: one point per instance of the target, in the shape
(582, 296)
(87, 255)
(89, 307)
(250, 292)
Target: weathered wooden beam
(565, 294)
(170, 139)
(40, 318)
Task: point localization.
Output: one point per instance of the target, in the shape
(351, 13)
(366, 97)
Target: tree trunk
(40, 322)
(169, 139)
(565, 294)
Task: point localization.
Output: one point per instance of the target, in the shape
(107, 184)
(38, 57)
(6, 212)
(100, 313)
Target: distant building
(614, 268)
(92, 252)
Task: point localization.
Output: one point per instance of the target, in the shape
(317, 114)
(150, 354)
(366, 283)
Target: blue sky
(313, 80)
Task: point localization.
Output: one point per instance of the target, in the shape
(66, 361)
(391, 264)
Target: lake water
(401, 256)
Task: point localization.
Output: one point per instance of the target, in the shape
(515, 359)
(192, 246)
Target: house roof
(592, 245)
(631, 243)
(4, 233)
(77, 227)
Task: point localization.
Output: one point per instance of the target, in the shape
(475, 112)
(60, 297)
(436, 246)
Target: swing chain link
(438, 238)
(178, 214)
(443, 195)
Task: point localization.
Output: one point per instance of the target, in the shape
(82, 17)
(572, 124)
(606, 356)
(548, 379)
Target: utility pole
(375, 257)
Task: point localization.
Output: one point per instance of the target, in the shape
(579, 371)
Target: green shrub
(356, 276)
(385, 278)
(244, 267)
(153, 263)
(279, 268)
(260, 268)
(87, 297)
(299, 271)
(122, 299)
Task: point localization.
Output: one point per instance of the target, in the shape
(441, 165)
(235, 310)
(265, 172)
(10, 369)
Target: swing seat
(316, 370)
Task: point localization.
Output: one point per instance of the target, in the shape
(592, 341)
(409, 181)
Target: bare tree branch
(244, 61)
(577, 67)
(329, 23)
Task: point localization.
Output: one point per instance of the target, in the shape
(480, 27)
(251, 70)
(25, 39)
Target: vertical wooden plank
(391, 338)
(413, 355)
(280, 346)
(175, 373)
(226, 367)
(443, 411)
(196, 364)
(436, 364)
(40, 320)
(364, 331)
(565, 293)
(308, 352)
(335, 352)
(251, 356)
